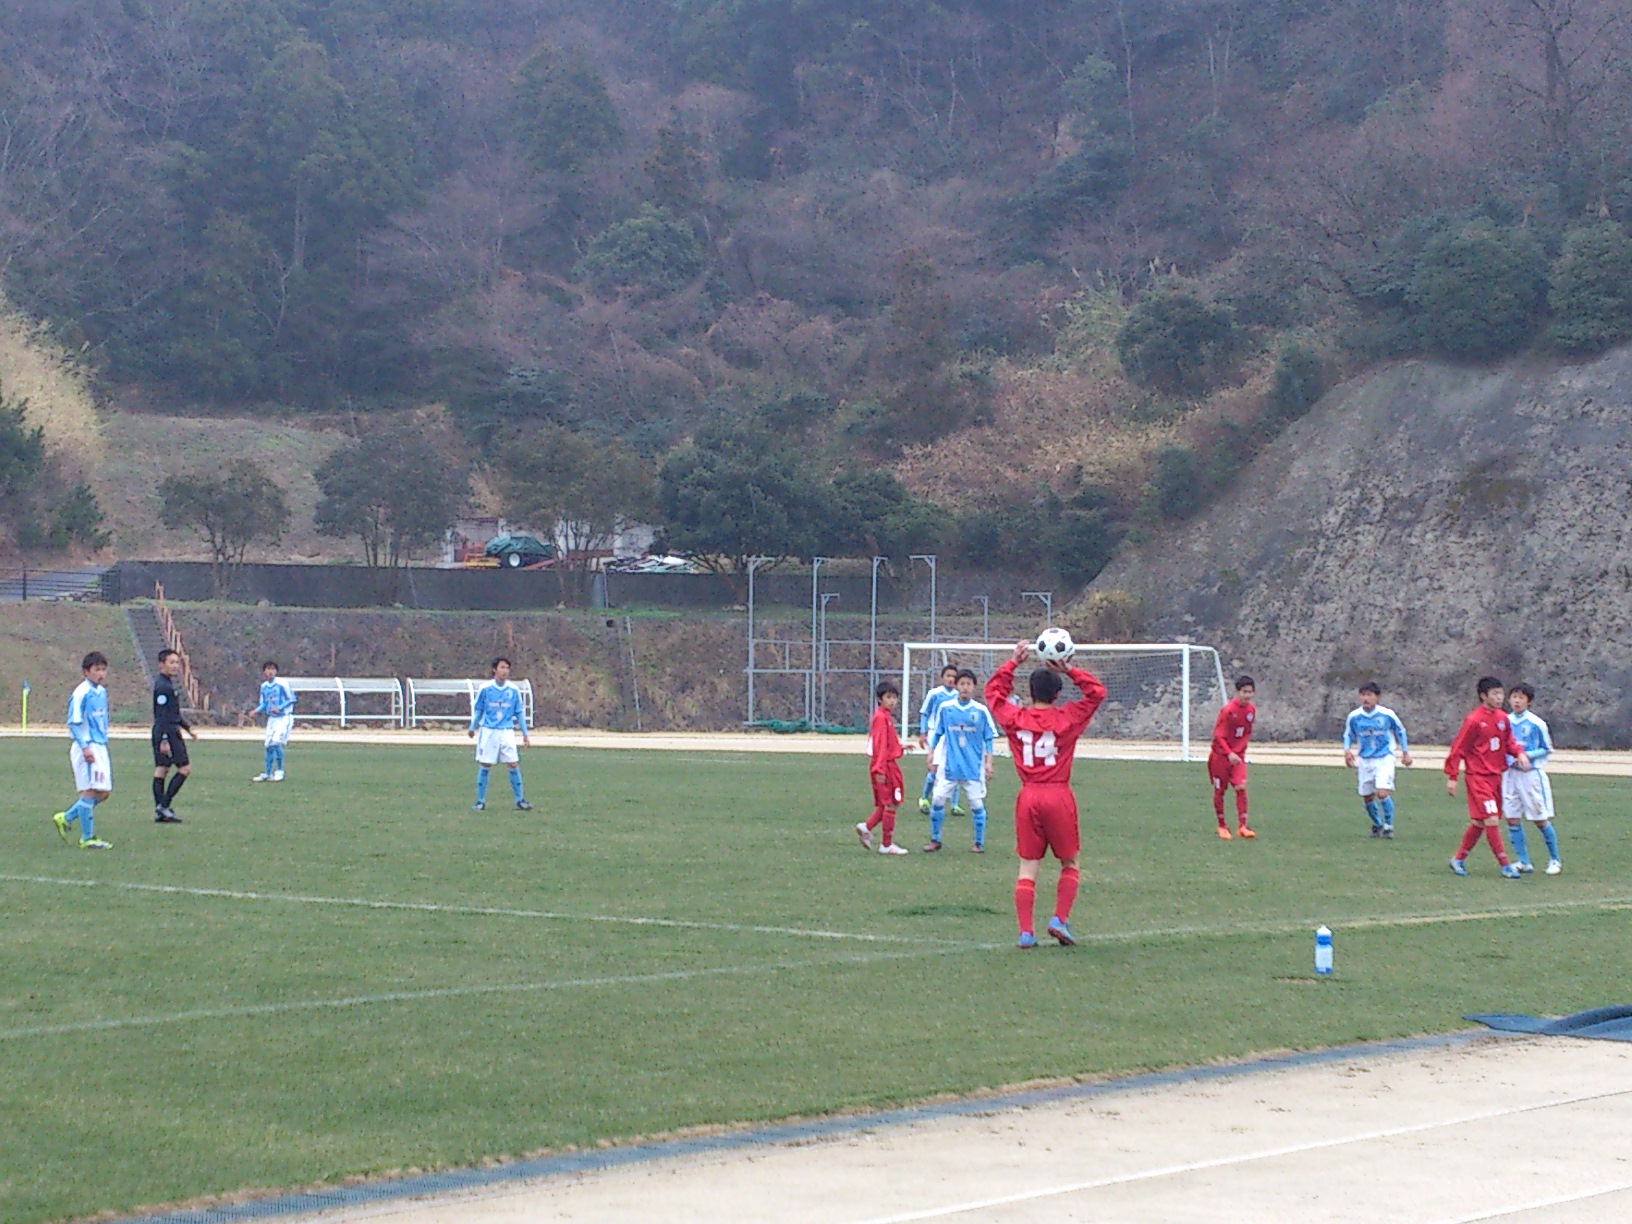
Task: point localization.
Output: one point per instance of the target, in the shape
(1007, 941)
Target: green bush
(1591, 292)
(1173, 340)
(1178, 487)
(653, 251)
(1300, 380)
(563, 114)
(1478, 291)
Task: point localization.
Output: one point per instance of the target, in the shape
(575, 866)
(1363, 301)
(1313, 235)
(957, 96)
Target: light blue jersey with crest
(277, 698)
(498, 708)
(1533, 737)
(963, 732)
(933, 701)
(88, 714)
(1372, 734)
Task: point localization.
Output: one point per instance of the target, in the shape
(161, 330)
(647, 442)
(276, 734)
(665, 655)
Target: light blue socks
(515, 784)
(481, 784)
(937, 818)
(1515, 832)
(1387, 806)
(1373, 811)
(979, 816)
(1551, 834)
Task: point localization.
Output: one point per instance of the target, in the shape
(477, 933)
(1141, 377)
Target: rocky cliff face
(1422, 527)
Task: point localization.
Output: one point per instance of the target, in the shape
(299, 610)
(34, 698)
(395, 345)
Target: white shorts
(1376, 774)
(94, 775)
(974, 789)
(494, 746)
(277, 730)
(1527, 795)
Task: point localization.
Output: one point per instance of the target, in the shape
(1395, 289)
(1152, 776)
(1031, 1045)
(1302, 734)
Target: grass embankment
(186, 1015)
(43, 643)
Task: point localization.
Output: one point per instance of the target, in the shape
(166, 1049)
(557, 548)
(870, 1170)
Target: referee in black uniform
(169, 749)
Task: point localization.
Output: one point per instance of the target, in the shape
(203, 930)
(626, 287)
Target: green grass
(552, 1031)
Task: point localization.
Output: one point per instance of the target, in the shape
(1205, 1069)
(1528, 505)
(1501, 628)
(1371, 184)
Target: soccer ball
(1055, 646)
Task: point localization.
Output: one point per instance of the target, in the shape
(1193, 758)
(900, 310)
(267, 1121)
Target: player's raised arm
(1001, 686)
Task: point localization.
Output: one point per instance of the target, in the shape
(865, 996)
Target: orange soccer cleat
(1223, 833)
(1243, 831)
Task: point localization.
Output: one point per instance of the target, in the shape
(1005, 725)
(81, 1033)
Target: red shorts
(1484, 797)
(1224, 774)
(887, 794)
(1045, 818)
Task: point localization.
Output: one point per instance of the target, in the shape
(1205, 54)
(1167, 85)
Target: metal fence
(51, 585)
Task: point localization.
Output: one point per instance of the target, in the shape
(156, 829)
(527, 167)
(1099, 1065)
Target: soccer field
(350, 972)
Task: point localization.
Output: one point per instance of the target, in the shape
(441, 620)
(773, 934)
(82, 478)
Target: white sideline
(1416, 1128)
(1281, 927)
(451, 992)
(1563, 761)
(487, 911)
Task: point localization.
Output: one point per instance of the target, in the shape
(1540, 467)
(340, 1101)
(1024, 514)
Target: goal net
(1161, 698)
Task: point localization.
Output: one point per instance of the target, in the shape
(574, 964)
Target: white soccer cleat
(261, 778)
(1554, 866)
(893, 849)
(277, 777)
(866, 836)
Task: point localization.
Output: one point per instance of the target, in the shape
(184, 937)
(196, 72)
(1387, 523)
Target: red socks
(1025, 902)
(1240, 805)
(1470, 839)
(885, 817)
(1493, 836)
(1066, 895)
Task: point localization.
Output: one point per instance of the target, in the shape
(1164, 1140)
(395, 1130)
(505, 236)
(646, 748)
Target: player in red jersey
(1227, 762)
(884, 747)
(1043, 738)
(1484, 743)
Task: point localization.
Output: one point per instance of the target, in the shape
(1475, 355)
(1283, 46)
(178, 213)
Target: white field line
(1277, 927)
(1539, 1204)
(485, 911)
(1563, 761)
(454, 992)
(1222, 1162)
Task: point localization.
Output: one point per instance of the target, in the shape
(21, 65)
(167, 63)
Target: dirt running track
(1527, 1130)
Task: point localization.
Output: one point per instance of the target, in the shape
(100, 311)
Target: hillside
(1422, 527)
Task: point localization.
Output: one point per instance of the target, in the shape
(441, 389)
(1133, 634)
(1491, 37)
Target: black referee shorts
(178, 747)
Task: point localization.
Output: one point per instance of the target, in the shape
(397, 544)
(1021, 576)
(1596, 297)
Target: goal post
(1161, 697)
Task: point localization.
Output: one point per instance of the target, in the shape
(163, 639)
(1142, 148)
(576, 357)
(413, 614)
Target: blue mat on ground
(1603, 1023)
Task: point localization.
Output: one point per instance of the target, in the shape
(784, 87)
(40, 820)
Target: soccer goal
(1161, 697)
(348, 699)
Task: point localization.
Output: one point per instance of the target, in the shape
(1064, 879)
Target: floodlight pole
(985, 617)
(1046, 598)
(929, 560)
(815, 603)
(753, 564)
(872, 634)
(826, 595)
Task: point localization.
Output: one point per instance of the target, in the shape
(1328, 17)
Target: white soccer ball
(1055, 646)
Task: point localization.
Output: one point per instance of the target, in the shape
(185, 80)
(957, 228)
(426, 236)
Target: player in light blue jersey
(933, 701)
(1526, 793)
(88, 755)
(960, 753)
(278, 704)
(1369, 738)
(496, 715)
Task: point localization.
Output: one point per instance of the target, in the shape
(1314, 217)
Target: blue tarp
(1603, 1023)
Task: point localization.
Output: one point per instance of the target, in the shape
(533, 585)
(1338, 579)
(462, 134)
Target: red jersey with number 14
(1042, 738)
(1233, 730)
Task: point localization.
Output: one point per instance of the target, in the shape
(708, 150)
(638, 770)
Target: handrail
(172, 641)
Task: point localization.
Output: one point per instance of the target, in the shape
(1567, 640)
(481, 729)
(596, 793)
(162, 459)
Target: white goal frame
(1196, 665)
(343, 687)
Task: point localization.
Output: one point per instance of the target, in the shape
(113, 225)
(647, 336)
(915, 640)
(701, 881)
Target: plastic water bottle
(1323, 951)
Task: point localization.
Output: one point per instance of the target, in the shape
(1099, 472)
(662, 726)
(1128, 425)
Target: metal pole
(872, 634)
(815, 600)
(985, 617)
(826, 662)
(1184, 701)
(753, 564)
(929, 560)
(1046, 598)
